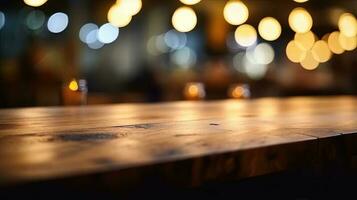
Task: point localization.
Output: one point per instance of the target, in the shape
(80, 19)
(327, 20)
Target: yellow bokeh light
(118, 16)
(133, 7)
(321, 51)
(347, 43)
(73, 85)
(294, 52)
(347, 24)
(235, 12)
(245, 35)
(194, 91)
(301, 1)
(309, 62)
(190, 2)
(269, 28)
(300, 20)
(305, 40)
(238, 92)
(184, 19)
(334, 43)
(35, 3)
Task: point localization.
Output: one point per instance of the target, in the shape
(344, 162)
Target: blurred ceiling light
(184, 19)
(245, 35)
(190, 2)
(305, 40)
(334, 43)
(238, 62)
(151, 46)
(235, 12)
(300, 20)
(184, 57)
(92, 36)
(309, 62)
(269, 28)
(301, 1)
(119, 16)
(321, 52)
(254, 70)
(175, 40)
(96, 44)
(58, 22)
(160, 44)
(73, 85)
(2, 20)
(85, 30)
(35, 3)
(133, 7)
(263, 53)
(35, 19)
(294, 52)
(108, 33)
(347, 43)
(347, 24)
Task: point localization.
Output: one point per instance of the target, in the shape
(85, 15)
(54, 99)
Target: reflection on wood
(183, 142)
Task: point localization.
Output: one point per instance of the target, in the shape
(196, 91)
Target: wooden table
(184, 143)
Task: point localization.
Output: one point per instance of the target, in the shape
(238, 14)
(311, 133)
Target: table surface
(184, 140)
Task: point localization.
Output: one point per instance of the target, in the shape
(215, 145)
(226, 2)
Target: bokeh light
(35, 19)
(347, 24)
(133, 7)
(239, 91)
(235, 12)
(269, 28)
(184, 57)
(301, 1)
(245, 35)
(321, 51)
(254, 70)
(300, 20)
(334, 43)
(58, 22)
(190, 2)
(305, 40)
(194, 91)
(108, 33)
(309, 62)
(294, 52)
(35, 3)
(119, 16)
(85, 30)
(263, 53)
(2, 20)
(347, 43)
(175, 40)
(184, 19)
(73, 85)
(96, 44)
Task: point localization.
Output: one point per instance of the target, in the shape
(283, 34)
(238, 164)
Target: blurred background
(71, 52)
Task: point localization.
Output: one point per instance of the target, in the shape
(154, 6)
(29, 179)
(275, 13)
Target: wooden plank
(254, 137)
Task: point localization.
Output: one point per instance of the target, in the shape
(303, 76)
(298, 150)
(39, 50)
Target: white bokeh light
(175, 40)
(184, 57)
(2, 20)
(85, 30)
(57, 23)
(35, 19)
(108, 33)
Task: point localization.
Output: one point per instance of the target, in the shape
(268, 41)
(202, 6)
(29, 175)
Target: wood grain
(183, 142)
